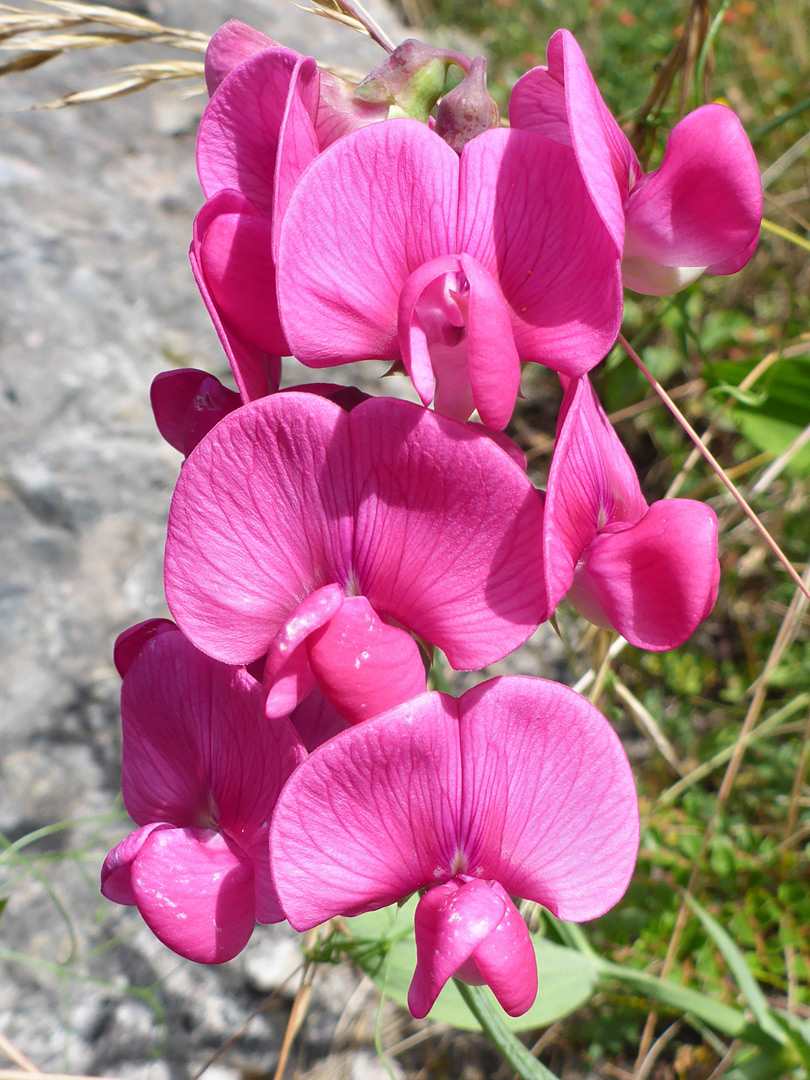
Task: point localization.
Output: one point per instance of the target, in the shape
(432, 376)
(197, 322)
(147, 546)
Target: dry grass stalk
(38, 36)
(355, 16)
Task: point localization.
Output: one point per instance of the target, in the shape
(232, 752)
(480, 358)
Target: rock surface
(96, 210)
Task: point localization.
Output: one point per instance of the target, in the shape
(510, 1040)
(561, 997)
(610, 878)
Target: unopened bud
(411, 79)
(468, 110)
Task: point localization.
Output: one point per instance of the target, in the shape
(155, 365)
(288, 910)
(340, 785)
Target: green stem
(488, 1014)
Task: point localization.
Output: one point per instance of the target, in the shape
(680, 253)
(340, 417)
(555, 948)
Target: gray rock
(96, 211)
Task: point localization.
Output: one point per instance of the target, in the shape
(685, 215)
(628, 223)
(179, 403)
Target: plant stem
(489, 1016)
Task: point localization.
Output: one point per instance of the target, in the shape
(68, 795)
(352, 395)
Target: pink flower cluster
(282, 755)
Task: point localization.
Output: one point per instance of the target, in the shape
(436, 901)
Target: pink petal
(238, 140)
(230, 46)
(370, 816)
(591, 484)
(494, 364)
(116, 871)
(446, 532)
(187, 403)
(384, 198)
(428, 520)
(559, 272)
(502, 440)
(363, 665)
(288, 677)
(195, 893)
(197, 751)
(236, 258)
(130, 642)
(413, 342)
(563, 103)
(316, 721)
(704, 204)
(505, 960)
(451, 921)
(261, 516)
(549, 803)
(654, 582)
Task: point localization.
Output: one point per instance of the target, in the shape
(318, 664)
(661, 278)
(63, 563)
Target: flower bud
(468, 110)
(411, 79)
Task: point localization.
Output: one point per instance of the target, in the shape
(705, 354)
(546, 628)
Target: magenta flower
(650, 572)
(202, 770)
(520, 788)
(270, 113)
(700, 211)
(392, 246)
(323, 538)
(188, 403)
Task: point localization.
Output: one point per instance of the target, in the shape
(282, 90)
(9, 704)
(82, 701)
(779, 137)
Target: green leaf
(749, 987)
(566, 977)
(722, 1018)
(778, 411)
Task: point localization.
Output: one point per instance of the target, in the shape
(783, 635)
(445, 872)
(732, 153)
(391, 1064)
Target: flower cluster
(283, 757)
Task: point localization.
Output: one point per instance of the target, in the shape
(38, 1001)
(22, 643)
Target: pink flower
(202, 770)
(324, 538)
(702, 208)
(518, 788)
(270, 113)
(392, 246)
(650, 572)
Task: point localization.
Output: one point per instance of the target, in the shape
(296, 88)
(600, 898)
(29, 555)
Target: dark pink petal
(563, 103)
(505, 960)
(230, 46)
(363, 665)
(256, 372)
(238, 140)
(288, 677)
(195, 893)
(316, 721)
(268, 905)
(130, 642)
(736, 262)
(347, 397)
(340, 112)
(236, 259)
(451, 921)
(656, 581)
(591, 484)
(527, 217)
(260, 518)
(116, 871)
(370, 816)
(187, 403)
(445, 537)
(197, 750)
(549, 803)
(384, 198)
(704, 204)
